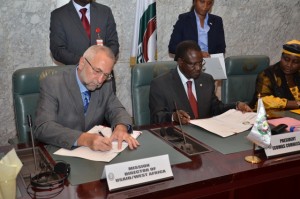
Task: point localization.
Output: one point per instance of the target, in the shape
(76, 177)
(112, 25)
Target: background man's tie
(85, 22)
(192, 99)
(86, 100)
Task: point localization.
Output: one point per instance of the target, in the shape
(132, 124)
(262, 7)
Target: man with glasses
(186, 89)
(75, 100)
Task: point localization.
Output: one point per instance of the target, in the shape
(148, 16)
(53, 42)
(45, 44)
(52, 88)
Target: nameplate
(283, 144)
(137, 172)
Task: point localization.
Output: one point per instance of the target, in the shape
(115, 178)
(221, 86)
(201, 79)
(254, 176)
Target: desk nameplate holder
(137, 172)
(284, 143)
(173, 136)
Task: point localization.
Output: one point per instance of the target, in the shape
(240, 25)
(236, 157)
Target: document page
(215, 66)
(228, 123)
(87, 153)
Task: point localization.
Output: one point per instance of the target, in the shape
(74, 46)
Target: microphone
(186, 147)
(29, 119)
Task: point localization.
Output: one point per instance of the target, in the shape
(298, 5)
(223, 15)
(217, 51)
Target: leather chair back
(141, 77)
(241, 76)
(26, 89)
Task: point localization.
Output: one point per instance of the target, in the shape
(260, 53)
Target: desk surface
(209, 175)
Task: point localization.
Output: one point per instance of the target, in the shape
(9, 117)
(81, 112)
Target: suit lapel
(94, 24)
(74, 92)
(193, 22)
(181, 98)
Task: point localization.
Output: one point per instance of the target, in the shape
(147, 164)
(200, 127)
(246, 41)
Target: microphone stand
(32, 140)
(186, 147)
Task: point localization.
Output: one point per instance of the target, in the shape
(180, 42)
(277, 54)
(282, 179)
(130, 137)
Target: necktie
(192, 99)
(85, 22)
(86, 100)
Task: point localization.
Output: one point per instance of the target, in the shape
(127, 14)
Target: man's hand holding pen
(95, 142)
(184, 117)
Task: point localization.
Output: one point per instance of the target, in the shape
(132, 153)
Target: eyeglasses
(192, 66)
(99, 71)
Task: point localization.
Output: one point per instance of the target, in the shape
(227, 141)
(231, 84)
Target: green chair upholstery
(141, 77)
(241, 76)
(26, 89)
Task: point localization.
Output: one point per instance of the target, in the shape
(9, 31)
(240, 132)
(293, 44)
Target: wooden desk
(210, 175)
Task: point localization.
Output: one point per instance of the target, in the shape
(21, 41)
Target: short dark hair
(183, 47)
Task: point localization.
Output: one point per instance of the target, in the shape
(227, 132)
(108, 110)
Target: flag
(260, 133)
(144, 40)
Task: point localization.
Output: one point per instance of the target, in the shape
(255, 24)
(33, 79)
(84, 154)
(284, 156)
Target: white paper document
(215, 66)
(87, 153)
(229, 123)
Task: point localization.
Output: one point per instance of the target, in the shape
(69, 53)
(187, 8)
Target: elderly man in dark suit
(68, 38)
(73, 101)
(187, 86)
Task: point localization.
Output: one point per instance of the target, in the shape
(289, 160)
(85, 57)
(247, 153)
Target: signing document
(104, 156)
(229, 123)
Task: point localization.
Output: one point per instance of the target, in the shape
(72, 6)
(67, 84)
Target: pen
(100, 133)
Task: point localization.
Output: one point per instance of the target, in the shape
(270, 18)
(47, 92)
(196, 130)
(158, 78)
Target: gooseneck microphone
(186, 147)
(180, 124)
(29, 119)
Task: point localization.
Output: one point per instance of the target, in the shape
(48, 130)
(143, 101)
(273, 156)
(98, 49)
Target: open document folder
(229, 123)
(104, 156)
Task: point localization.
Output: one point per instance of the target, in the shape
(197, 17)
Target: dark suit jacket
(68, 39)
(167, 89)
(186, 29)
(60, 116)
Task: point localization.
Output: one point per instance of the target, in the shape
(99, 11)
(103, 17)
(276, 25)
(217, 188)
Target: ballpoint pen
(100, 133)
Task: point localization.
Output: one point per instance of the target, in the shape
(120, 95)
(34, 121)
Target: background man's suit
(186, 29)
(68, 39)
(168, 88)
(60, 116)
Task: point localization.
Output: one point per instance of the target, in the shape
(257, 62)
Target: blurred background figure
(279, 84)
(201, 26)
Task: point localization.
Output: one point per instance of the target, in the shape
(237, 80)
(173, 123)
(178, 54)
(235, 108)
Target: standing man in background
(73, 29)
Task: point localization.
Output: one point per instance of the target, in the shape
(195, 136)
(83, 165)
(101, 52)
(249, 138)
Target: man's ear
(179, 61)
(81, 63)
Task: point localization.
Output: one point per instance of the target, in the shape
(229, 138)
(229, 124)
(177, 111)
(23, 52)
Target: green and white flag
(144, 40)
(260, 133)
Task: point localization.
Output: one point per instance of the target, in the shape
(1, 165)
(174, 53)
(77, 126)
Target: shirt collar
(81, 86)
(78, 7)
(182, 77)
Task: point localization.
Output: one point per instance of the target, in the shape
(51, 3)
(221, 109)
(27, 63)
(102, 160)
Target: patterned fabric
(272, 86)
(86, 100)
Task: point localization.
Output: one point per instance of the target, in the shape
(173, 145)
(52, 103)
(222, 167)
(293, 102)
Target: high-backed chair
(26, 89)
(141, 77)
(241, 76)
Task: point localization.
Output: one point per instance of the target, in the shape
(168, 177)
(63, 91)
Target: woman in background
(199, 25)
(279, 84)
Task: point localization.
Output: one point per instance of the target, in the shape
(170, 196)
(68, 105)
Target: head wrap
(292, 48)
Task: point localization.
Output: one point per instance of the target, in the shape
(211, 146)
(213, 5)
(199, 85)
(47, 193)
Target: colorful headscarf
(292, 48)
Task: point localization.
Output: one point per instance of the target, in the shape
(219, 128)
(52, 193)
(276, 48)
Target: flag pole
(253, 158)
